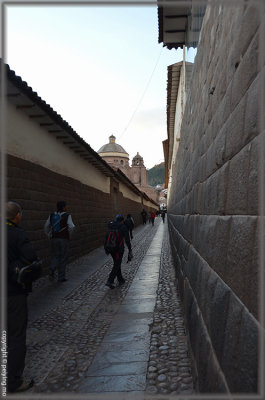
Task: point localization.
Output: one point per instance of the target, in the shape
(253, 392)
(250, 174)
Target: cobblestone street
(85, 338)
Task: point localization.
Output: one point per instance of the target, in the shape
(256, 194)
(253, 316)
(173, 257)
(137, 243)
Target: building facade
(214, 214)
(47, 161)
(115, 155)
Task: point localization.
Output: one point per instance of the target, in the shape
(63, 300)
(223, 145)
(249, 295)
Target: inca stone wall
(214, 208)
(38, 189)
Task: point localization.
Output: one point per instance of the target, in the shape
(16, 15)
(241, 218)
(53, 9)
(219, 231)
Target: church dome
(112, 147)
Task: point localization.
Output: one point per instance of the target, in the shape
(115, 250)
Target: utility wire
(144, 92)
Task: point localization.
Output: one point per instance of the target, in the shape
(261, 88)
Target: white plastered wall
(180, 106)
(27, 140)
(147, 203)
(129, 194)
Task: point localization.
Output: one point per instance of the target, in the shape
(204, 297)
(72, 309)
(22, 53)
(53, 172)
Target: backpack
(55, 221)
(113, 240)
(25, 274)
(29, 273)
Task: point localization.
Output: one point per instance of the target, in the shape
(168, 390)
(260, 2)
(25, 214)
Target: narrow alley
(85, 338)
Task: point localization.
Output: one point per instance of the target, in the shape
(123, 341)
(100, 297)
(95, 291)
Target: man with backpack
(59, 227)
(114, 245)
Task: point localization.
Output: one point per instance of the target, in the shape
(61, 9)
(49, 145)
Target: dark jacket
(129, 223)
(124, 233)
(19, 248)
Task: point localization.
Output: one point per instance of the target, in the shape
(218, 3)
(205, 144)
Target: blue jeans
(59, 253)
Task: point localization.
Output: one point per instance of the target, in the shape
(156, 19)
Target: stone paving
(85, 338)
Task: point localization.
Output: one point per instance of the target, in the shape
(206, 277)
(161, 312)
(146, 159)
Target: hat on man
(12, 209)
(119, 217)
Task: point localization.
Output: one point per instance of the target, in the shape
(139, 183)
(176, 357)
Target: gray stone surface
(240, 269)
(237, 186)
(215, 192)
(90, 339)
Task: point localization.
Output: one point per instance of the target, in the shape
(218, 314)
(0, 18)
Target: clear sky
(100, 68)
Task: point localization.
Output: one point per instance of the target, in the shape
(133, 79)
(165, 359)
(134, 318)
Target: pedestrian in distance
(59, 228)
(153, 217)
(163, 214)
(21, 263)
(149, 218)
(115, 237)
(144, 215)
(129, 222)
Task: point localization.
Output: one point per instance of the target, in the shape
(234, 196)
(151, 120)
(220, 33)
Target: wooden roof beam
(25, 106)
(13, 94)
(37, 116)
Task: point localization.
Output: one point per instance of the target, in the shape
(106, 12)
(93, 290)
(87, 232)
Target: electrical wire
(142, 97)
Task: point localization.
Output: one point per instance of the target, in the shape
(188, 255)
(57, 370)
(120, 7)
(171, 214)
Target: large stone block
(253, 110)
(201, 283)
(239, 268)
(256, 155)
(208, 298)
(205, 241)
(188, 228)
(217, 257)
(184, 247)
(202, 168)
(246, 378)
(215, 192)
(237, 185)
(215, 380)
(193, 271)
(230, 356)
(220, 85)
(222, 179)
(246, 72)
(218, 309)
(224, 110)
(198, 201)
(248, 27)
(234, 129)
(206, 363)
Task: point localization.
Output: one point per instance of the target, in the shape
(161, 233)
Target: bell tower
(138, 171)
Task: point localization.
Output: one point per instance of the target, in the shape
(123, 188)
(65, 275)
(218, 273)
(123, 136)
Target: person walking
(19, 253)
(163, 214)
(153, 217)
(144, 215)
(59, 227)
(129, 222)
(114, 245)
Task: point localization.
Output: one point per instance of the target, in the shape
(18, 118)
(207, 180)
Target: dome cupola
(112, 148)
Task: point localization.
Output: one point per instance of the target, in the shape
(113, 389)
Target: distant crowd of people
(24, 267)
(151, 216)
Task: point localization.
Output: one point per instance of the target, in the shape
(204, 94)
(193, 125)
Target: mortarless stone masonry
(38, 189)
(213, 211)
